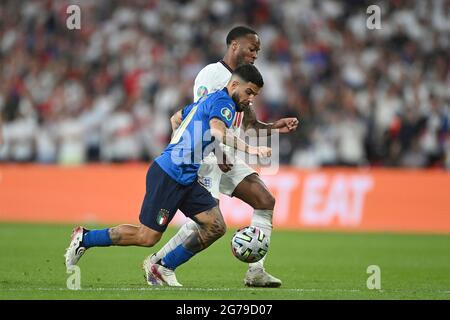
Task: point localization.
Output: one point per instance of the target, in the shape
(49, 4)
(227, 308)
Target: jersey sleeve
(203, 83)
(224, 110)
(185, 111)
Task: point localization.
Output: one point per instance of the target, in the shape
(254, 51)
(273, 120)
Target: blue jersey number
(176, 137)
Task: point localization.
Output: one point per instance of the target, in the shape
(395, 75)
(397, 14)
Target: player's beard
(240, 60)
(237, 101)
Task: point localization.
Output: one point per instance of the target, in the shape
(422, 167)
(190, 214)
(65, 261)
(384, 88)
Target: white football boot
(151, 279)
(259, 277)
(156, 274)
(75, 250)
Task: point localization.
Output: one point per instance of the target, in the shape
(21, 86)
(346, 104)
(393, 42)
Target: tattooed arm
(220, 133)
(284, 125)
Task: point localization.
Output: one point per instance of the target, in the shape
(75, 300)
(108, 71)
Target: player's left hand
(225, 161)
(286, 125)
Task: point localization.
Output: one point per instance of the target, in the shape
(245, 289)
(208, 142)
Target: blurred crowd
(106, 92)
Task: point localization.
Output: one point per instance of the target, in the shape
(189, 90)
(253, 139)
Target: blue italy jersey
(192, 140)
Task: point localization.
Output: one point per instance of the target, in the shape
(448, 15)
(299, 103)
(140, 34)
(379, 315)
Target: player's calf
(211, 227)
(126, 235)
(148, 237)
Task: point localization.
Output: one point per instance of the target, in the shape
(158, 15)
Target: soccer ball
(249, 244)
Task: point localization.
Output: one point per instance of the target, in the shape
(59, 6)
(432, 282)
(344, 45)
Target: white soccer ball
(249, 244)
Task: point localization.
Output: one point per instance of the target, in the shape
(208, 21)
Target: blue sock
(97, 238)
(176, 257)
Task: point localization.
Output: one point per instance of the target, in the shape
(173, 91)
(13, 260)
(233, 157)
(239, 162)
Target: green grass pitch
(312, 265)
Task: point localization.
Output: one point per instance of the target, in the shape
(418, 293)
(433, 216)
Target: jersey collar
(226, 66)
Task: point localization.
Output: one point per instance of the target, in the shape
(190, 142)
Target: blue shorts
(164, 196)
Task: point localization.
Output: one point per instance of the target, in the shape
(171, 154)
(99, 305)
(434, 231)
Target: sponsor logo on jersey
(226, 113)
(163, 216)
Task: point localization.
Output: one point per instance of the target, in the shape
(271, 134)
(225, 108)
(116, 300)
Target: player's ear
(234, 45)
(235, 83)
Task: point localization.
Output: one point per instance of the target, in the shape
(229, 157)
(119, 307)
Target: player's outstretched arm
(220, 133)
(284, 125)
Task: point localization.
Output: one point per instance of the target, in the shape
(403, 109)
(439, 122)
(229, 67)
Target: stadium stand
(106, 92)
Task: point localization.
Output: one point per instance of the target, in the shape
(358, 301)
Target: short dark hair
(249, 73)
(238, 32)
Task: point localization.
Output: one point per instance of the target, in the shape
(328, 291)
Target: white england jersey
(212, 78)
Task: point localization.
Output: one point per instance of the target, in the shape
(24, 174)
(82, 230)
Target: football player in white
(238, 179)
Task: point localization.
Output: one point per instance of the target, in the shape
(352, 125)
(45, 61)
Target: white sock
(263, 220)
(186, 229)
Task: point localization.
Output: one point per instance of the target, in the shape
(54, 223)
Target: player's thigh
(200, 206)
(162, 199)
(231, 179)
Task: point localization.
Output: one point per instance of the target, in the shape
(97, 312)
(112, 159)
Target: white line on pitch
(229, 290)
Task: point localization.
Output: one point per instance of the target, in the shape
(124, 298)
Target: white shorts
(215, 180)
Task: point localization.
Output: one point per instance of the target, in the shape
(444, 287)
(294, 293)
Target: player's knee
(217, 229)
(217, 232)
(191, 225)
(148, 239)
(211, 224)
(148, 242)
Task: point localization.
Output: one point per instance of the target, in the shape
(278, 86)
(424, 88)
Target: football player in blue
(171, 182)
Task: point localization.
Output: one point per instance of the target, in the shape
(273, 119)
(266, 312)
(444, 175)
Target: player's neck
(229, 61)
